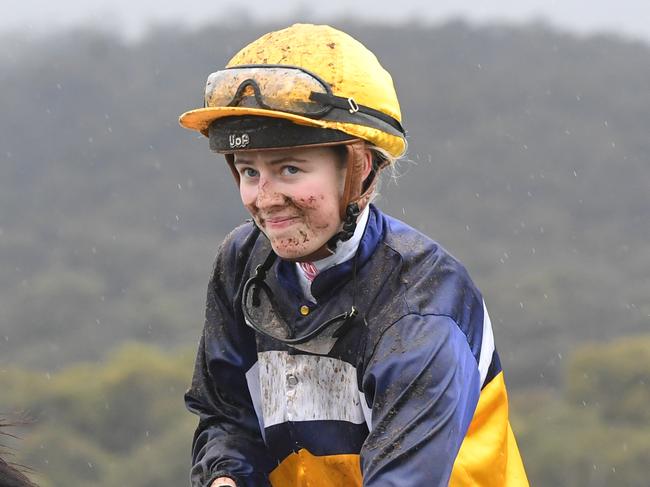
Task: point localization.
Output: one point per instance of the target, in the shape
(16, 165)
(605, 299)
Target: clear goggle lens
(276, 88)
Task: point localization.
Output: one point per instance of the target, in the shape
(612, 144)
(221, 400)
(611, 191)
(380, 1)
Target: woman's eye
(290, 170)
(249, 172)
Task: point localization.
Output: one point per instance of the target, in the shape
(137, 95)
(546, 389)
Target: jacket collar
(329, 280)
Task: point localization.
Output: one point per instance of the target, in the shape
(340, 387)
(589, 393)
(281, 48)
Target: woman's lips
(278, 222)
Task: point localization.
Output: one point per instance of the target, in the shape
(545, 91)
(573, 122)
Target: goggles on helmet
(288, 89)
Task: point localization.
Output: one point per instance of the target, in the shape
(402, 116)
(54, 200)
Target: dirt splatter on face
(293, 196)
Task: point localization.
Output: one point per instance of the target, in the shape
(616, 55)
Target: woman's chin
(290, 249)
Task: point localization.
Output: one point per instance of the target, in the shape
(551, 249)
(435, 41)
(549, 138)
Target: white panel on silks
(305, 388)
(487, 346)
(253, 380)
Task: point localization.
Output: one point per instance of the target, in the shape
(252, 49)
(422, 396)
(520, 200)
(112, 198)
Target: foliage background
(528, 159)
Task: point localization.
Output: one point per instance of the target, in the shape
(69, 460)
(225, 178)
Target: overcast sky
(630, 18)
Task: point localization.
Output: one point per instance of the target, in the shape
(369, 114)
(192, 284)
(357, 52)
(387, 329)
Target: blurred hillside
(528, 159)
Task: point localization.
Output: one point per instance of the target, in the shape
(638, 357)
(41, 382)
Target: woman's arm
(228, 441)
(423, 384)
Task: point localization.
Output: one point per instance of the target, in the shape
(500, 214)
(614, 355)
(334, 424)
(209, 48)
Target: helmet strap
(357, 192)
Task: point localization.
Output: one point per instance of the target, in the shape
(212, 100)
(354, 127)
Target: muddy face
(293, 196)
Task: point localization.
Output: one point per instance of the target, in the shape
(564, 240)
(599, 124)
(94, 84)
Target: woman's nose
(268, 193)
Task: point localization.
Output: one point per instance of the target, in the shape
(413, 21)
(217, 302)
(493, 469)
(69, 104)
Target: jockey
(341, 347)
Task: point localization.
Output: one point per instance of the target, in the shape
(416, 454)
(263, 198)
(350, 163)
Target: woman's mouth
(279, 222)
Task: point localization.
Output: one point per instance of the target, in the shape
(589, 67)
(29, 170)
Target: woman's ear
(367, 163)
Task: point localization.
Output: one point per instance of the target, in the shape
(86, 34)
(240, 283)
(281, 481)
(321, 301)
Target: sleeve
(422, 383)
(227, 441)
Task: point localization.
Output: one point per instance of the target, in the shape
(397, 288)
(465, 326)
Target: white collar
(344, 251)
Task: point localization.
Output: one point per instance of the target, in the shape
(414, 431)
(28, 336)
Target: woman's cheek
(248, 197)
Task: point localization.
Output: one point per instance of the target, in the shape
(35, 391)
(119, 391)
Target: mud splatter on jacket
(412, 395)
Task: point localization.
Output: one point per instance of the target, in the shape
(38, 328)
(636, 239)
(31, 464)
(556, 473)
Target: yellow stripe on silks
(303, 469)
(489, 456)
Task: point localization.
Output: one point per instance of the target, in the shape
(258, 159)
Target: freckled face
(293, 196)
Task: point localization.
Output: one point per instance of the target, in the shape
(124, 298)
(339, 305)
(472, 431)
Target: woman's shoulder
(237, 249)
(241, 240)
(434, 281)
(416, 248)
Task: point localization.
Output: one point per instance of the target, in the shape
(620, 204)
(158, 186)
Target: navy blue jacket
(388, 403)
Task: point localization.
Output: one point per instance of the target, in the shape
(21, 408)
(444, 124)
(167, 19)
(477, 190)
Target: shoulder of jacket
(236, 250)
(429, 280)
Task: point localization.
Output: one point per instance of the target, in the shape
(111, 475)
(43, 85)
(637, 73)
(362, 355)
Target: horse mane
(11, 475)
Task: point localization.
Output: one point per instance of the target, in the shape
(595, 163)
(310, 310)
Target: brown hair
(11, 475)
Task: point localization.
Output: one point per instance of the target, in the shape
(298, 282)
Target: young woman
(341, 347)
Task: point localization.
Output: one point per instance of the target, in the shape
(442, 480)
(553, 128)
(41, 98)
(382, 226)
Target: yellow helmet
(311, 75)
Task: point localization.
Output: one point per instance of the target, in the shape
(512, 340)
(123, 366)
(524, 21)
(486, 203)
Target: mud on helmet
(306, 85)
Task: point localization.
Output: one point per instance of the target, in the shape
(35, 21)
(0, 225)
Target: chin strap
(356, 192)
(349, 226)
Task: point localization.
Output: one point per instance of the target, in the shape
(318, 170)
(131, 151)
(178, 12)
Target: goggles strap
(352, 107)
